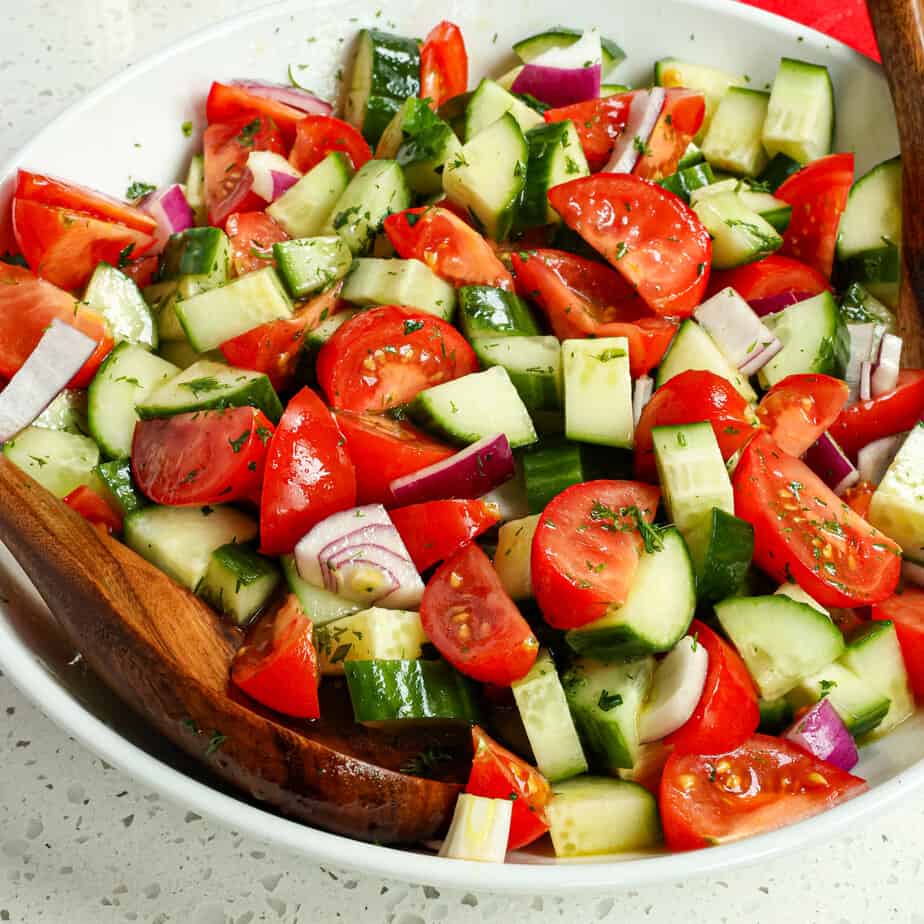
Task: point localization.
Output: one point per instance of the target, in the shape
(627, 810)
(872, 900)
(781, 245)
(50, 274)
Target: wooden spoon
(167, 655)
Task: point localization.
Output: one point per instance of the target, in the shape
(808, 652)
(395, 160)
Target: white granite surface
(81, 843)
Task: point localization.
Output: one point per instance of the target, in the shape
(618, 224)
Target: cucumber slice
(512, 558)
(598, 391)
(721, 548)
(534, 365)
(310, 264)
(320, 605)
(238, 582)
(687, 180)
(778, 171)
(613, 89)
(485, 311)
(479, 830)
(879, 266)
(547, 720)
(375, 634)
(200, 256)
(795, 592)
(861, 706)
(733, 142)
(563, 37)
(128, 375)
(161, 298)
(59, 461)
(67, 412)
(858, 306)
(775, 212)
(375, 281)
(776, 715)
(182, 355)
(897, 507)
(304, 208)
(874, 211)
(425, 143)
(180, 540)
(117, 477)
(489, 103)
(477, 405)
(116, 297)
(739, 235)
(782, 642)
(691, 157)
(800, 115)
(555, 157)
(598, 815)
(550, 469)
(656, 614)
(712, 82)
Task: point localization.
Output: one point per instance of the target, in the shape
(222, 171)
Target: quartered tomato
(227, 103)
(765, 784)
(93, 508)
(474, 625)
(451, 248)
(906, 611)
(691, 397)
(598, 122)
(680, 119)
(434, 530)
(278, 665)
(142, 271)
(252, 235)
(582, 298)
(384, 356)
(443, 64)
(805, 533)
(203, 457)
(383, 449)
(774, 275)
(800, 408)
(309, 475)
(859, 497)
(650, 235)
(727, 713)
(316, 136)
(498, 774)
(586, 549)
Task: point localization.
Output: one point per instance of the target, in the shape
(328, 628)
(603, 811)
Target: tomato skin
(762, 785)
(443, 64)
(598, 122)
(691, 397)
(798, 409)
(680, 119)
(662, 249)
(93, 508)
(451, 248)
(278, 665)
(790, 508)
(227, 103)
(203, 457)
(252, 235)
(774, 275)
(571, 544)
(906, 612)
(316, 136)
(499, 774)
(895, 412)
(309, 475)
(859, 497)
(818, 194)
(361, 369)
(435, 530)
(143, 271)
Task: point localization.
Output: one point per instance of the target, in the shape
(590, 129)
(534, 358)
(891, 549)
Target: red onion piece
(509, 500)
(295, 97)
(761, 358)
(561, 76)
(272, 174)
(862, 340)
(774, 303)
(641, 395)
(884, 377)
(402, 587)
(865, 388)
(827, 460)
(172, 212)
(874, 459)
(822, 733)
(644, 111)
(56, 359)
(745, 341)
(382, 535)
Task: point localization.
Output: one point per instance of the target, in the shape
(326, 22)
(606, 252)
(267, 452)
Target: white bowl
(130, 129)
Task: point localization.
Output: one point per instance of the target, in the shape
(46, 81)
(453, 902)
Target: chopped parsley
(187, 129)
(138, 190)
(410, 326)
(202, 386)
(608, 701)
(248, 133)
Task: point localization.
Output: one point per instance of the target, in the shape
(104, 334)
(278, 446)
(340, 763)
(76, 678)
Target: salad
(567, 411)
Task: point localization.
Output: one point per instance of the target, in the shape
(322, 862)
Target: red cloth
(846, 20)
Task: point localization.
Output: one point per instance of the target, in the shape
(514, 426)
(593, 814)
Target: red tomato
(278, 666)
(818, 194)
(308, 476)
(498, 774)
(598, 122)
(586, 299)
(727, 713)
(434, 530)
(475, 626)
(774, 275)
(765, 784)
(650, 235)
(800, 408)
(383, 449)
(583, 557)
(895, 412)
(27, 306)
(805, 533)
(680, 119)
(252, 236)
(691, 397)
(227, 103)
(384, 356)
(443, 64)
(450, 247)
(316, 136)
(859, 497)
(203, 457)
(93, 508)
(906, 611)
(142, 271)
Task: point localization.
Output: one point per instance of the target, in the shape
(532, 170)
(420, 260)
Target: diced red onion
(827, 460)
(295, 97)
(822, 733)
(172, 212)
(885, 374)
(644, 111)
(862, 340)
(774, 303)
(913, 573)
(56, 359)
(272, 174)
(561, 76)
(874, 459)
(745, 341)
(470, 473)
(641, 395)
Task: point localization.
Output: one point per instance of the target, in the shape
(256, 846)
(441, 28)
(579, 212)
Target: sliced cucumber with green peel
(858, 306)
(238, 582)
(116, 297)
(200, 256)
(375, 281)
(877, 267)
(687, 180)
(555, 157)
(721, 548)
(861, 706)
(734, 140)
(598, 391)
(800, 115)
(304, 209)
(564, 37)
(775, 212)
(67, 412)
(489, 103)
(897, 507)
(375, 634)
(712, 82)
(59, 461)
(485, 311)
(310, 264)
(321, 606)
(117, 476)
(512, 558)
(423, 145)
(739, 235)
(873, 215)
(550, 469)
(533, 364)
(778, 171)
(182, 355)
(776, 715)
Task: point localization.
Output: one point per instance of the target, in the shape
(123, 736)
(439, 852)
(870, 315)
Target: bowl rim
(26, 672)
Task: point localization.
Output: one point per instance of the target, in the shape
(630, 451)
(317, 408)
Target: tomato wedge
(773, 276)
(27, 306)
(142, 271)
(203, 457)
(252, 235)
(498, 774)
(727, 713)
(308, 476)
(316, 136)
(859, 497)
(383, 449)
(765, 784)
(798, 409)
(434, 530)
(582, 298)
(680, 119)
(443, 64)
(906, 611)
(451, 248)
(475, 626)
(278, 665)
(93, 508)
(894, 412)
(384, 356)
(691, 397)
(805, 533)
(226, 103)
(585, 551)
(818, 194)
(598, 122)
(650, 235)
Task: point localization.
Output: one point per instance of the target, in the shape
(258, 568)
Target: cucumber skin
(549, 470)
(486, 311)
(395, 77)
(117, 476)
(729, 550)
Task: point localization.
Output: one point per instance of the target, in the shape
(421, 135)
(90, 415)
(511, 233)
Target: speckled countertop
(81, 842)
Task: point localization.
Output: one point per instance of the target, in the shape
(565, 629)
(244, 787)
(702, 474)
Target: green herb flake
(608, 701)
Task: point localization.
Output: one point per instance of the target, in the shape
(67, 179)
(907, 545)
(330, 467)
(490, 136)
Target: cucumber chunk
(59, 461)
(320, 605)
(117, 477)
(897, 507)
(721, 548)
(776, 715)
(712, 82)
(485, 311)
(555, 157)
(550, 469)
(598, 391)
(310, 264)
(423, 145)
(116, 297)
(734, 141)
(739, 234)
(687, 180)
(479, 830)
(491, 102)
(374, 281)
(68, 412)
(200, 256)
(874, 211)
(304, 208)
(375, 634)
(182, 355)
(534, 365)
(563, 37)
(861, 706)
(512, 558)
(800, 114)
(238, 582)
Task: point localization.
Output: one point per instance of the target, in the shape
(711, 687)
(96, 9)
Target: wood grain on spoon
(167, 655)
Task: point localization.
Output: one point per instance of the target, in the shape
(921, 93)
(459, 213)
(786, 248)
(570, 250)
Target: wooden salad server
(167, 655)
